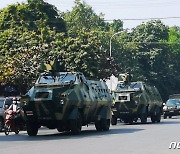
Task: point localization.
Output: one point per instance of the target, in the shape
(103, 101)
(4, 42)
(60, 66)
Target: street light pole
(110, 51)
(110, 54)
(110, 47)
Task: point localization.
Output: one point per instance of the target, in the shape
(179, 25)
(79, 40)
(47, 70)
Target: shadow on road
(65, 135)
(173, 120)
(170, 122)
(161, 123)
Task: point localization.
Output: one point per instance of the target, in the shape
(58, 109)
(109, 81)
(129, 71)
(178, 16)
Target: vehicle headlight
(178, 107)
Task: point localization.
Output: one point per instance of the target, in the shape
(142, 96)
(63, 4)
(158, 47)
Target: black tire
(98, 125)
(153, 118)
(143, 117)
(113, 120)
(102, 125)
(1, 124)
(165, 116)
(76, 125)
(135, 119)
(7, 129)
(32, 129)
(105, 124)
(128, 121)
(170, 117)
(59, 129)
(17, 130)
(158, 118)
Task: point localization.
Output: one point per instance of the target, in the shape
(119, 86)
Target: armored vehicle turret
(133, 100)
(66, 101)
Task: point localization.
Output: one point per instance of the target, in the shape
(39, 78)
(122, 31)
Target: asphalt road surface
(121, 139)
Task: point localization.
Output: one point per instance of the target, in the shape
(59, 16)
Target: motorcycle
(10, 124)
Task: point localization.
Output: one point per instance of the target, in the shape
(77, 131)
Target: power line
(160, 18)
(110, 20)
(62, 21)
(149, 43)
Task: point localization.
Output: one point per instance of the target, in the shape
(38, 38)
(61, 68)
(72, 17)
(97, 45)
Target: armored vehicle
(66, 101)
(172, 106)
(133, 100)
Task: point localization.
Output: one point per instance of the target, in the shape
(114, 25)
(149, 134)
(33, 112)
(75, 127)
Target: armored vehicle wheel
(170, 117)
(76, 125)
(165, 116)
(98, 125)
(153, 119)
(59, 129)
(156, 117)
(128, 121)
(32, 129)
(102, 124)
(135, 119)
(114, 120)
(159, 118)
(1, 124)
(143, 117)
(105, 124)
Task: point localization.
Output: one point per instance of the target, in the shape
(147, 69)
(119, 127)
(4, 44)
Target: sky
(131, 12)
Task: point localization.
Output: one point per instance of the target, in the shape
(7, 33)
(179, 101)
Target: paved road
(121, 139)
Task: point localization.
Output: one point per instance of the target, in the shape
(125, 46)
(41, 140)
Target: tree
(82, 54)
(116, 26)
(81, 17)
(31, 16)
(154, 53)
(174, 44)
(27, 31)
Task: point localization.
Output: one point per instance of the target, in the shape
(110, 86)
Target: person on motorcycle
(14, 107)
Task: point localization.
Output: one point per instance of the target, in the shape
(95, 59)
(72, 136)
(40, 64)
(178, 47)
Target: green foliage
(35, 33)
(116, 26)
(155, 56)
(174, 39)
(83, 17)
(31, 16)
(150, 38)
(26, 33)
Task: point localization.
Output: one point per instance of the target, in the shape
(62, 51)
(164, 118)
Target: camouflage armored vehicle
(133, 100)
(66, 101)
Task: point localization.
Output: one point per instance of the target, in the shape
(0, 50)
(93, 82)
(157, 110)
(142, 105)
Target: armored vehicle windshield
(57, 79)
(131, 86)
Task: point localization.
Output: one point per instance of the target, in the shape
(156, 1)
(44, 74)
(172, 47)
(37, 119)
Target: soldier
(126, 78)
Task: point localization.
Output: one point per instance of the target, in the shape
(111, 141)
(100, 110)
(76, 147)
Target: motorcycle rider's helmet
(14, 100)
